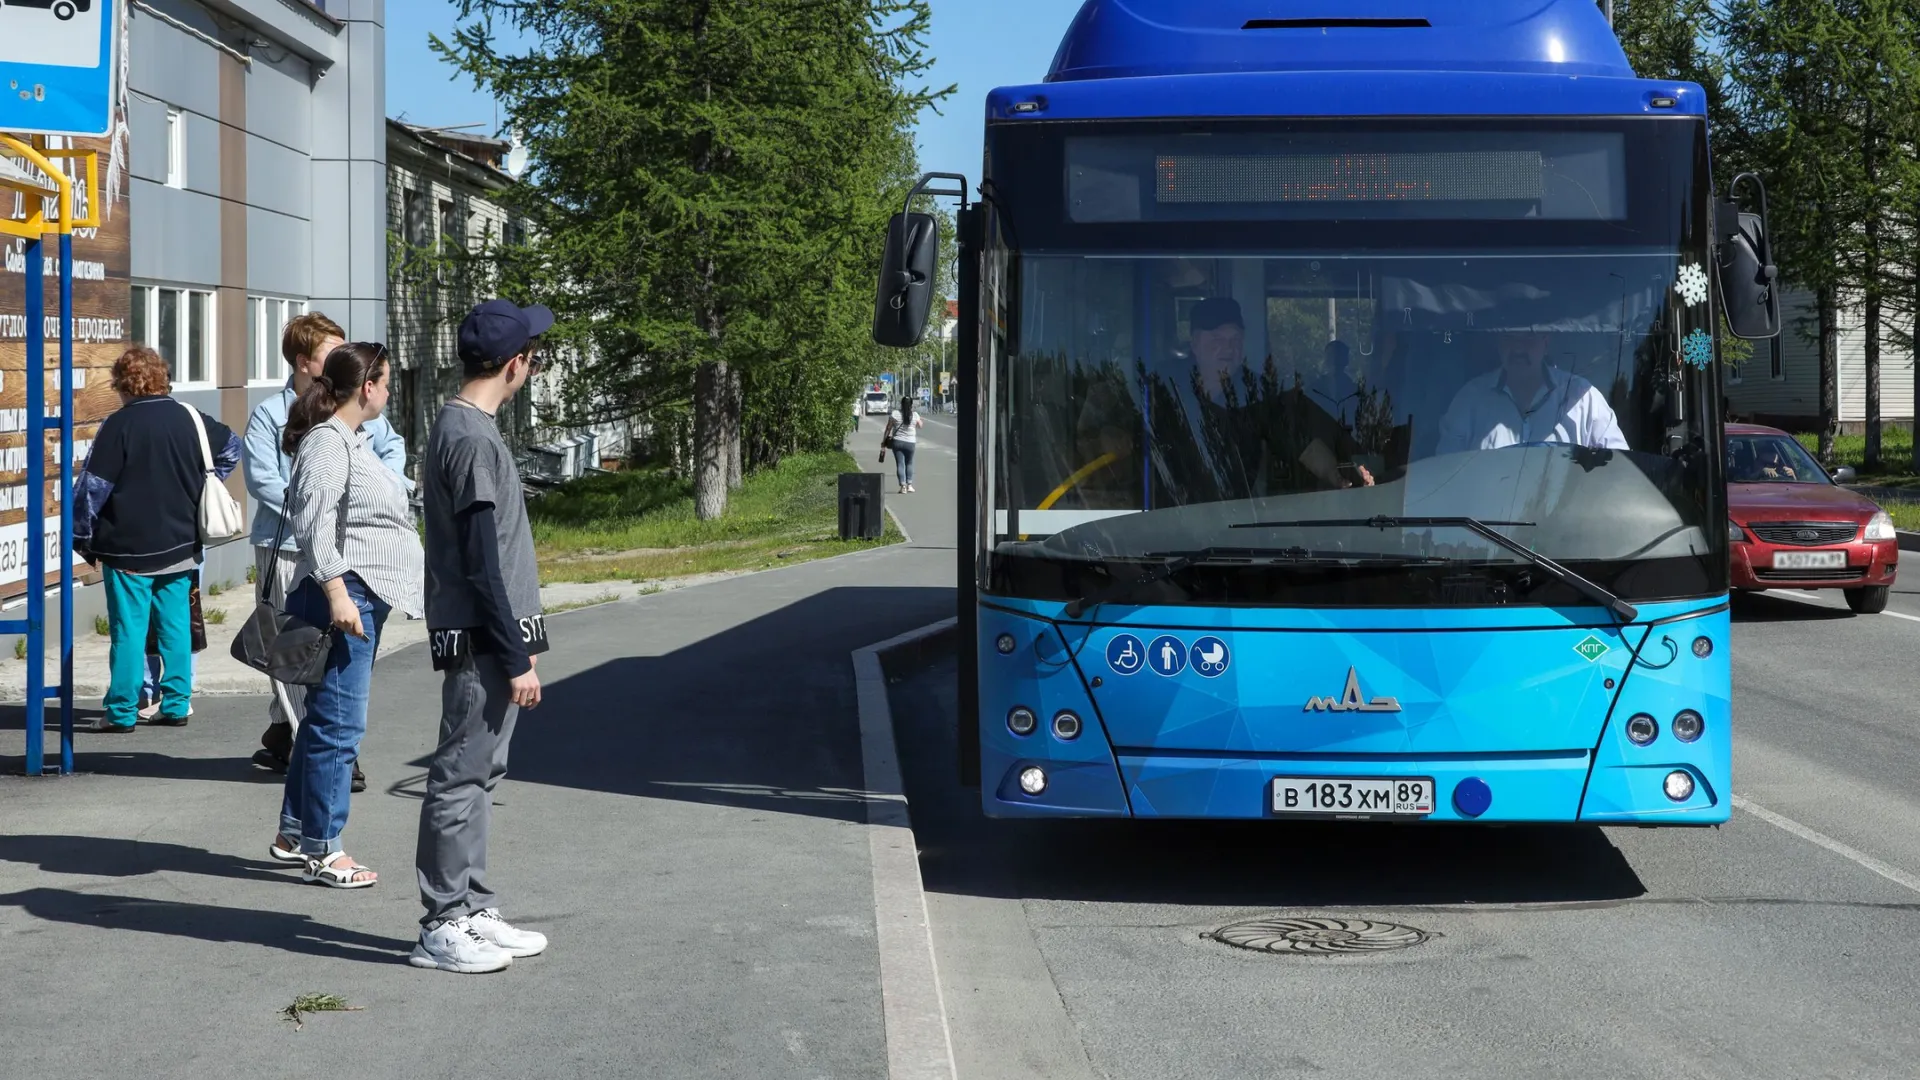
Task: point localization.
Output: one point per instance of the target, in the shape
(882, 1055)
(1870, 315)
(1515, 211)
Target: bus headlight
(1688, 725)
(1066, 727)
(1642, 729)
(1033, 780)
(1679, 786)
(1879, 527)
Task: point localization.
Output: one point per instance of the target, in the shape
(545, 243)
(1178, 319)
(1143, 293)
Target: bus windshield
(1285, 341)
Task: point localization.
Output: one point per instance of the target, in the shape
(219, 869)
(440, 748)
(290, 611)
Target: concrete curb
(919, 1043)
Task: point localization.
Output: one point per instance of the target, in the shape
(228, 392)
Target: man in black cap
(1262, 440)
(485, 630)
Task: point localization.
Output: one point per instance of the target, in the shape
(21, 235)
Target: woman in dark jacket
(136, 514)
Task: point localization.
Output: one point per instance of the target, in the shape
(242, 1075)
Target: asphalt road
(1782, 945)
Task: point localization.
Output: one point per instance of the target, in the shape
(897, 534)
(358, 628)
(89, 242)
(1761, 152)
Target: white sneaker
(506, 936)
(456, 946)
(152, 709)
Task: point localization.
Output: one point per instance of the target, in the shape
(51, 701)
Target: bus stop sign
(58, 59)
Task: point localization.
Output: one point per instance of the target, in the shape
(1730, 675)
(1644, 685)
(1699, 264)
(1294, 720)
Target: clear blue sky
(979, 44)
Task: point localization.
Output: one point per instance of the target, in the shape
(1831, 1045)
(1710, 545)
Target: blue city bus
(1342, 405)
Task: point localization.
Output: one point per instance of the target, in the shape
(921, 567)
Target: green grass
(1896, 456)
(215, 617)
(101, 626)
(19, 648)
(639, 525)
(1905, 515)
(216, 589)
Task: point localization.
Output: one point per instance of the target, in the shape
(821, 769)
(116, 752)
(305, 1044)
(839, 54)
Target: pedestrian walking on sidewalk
(901, 436)
(485, 630)
(360, 560)
(305, 345)
(136, 513)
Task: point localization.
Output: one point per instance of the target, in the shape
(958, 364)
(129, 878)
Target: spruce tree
(709, 179)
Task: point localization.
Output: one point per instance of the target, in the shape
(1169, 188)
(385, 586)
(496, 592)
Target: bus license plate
(1809, 560)
(1399, 796)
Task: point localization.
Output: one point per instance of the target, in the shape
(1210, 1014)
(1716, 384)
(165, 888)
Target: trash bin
(860, 508)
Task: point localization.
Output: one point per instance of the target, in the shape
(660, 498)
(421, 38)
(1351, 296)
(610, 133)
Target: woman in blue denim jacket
(360, 560)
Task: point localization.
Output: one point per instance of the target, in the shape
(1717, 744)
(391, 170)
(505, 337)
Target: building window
(1774, 370)
(419, 225)
(267, 318)
(178, 324)
(176, 148)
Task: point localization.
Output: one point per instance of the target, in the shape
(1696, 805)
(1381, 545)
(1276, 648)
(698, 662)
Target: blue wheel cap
(1472, 796)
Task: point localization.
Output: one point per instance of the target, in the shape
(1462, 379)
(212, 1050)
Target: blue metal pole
(66, 501)
(36, 542)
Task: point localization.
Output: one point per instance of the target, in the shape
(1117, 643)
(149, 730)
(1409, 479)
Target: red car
(1794, 527)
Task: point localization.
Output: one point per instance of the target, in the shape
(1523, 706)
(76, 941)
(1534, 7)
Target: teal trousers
(132, 601)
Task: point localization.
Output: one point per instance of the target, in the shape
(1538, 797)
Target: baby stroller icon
(1210, 656)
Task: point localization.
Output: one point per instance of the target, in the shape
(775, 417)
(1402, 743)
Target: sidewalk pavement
(217, 672)
(683, 816)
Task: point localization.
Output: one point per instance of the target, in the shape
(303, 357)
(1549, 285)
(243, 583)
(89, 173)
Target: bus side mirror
(1749, 280)
(906, 281)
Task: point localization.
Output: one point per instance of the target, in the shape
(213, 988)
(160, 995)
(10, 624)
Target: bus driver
(1560, 407)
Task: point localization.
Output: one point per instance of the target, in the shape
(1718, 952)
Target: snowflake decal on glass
(1692, 284)
(1697, 349)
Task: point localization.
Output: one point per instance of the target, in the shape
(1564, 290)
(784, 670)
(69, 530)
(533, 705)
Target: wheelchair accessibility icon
(1210, 657)
(1125, 654)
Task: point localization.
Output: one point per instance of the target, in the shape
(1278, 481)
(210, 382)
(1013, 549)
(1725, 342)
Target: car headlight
(1735, 533)
(1879, 527)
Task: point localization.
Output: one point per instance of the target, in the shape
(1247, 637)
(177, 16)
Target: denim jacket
(268, 468)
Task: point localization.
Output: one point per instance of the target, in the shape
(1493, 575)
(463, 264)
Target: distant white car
(877, 403)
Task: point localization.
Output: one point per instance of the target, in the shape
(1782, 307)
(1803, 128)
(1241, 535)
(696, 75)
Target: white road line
(1901, 615)
(1891, 873)
(919, 1044)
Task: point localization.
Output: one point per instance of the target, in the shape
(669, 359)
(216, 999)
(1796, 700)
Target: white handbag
(220, 514)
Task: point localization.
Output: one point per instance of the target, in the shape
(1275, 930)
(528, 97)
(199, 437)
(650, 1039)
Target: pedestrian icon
(1125, 654)
(1168, 655)
(1210, 657)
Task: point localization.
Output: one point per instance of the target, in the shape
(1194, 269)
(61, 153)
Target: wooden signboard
(101, 294)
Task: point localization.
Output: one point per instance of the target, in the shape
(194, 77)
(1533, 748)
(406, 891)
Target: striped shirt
(350, 514)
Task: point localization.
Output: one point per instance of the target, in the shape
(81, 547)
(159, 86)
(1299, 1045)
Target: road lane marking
(919, 1043)
(1901, 615)
(1781, 821)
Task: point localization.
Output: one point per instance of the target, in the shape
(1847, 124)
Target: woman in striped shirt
(360, 560)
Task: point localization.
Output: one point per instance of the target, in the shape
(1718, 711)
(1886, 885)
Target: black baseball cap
(499, 330)
(1214, 314)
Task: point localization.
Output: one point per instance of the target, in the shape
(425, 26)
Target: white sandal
(285, 855)
(328, 872)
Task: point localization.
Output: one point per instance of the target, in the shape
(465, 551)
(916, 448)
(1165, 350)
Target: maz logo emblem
(1351, 701)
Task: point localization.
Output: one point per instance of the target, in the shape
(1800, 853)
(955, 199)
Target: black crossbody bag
(283, 647)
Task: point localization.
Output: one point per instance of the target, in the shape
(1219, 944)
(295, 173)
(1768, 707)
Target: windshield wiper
(1177, 561)
(1590, 589)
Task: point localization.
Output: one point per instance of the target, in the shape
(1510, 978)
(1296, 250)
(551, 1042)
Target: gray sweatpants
(476, 724)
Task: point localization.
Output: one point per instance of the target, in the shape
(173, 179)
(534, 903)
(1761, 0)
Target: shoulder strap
(200, 429)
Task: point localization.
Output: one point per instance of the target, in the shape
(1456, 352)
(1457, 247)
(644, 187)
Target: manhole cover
(1319, 936)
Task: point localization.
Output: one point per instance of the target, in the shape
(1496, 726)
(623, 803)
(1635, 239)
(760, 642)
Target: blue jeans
(320, 770)
(134, 601)
(903, 462)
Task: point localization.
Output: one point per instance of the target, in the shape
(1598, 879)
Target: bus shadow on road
(759, 716)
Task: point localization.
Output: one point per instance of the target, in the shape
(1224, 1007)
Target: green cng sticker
(1592, 648)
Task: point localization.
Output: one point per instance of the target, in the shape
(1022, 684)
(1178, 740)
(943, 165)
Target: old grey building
(257, 187)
